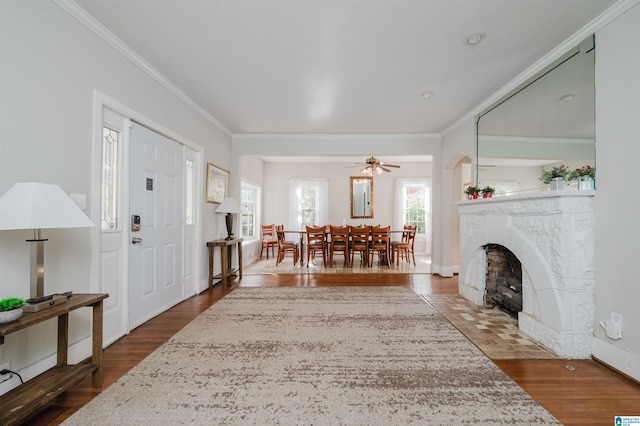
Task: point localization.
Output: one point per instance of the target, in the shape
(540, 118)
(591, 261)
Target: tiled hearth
(494, 332)
(552, 235)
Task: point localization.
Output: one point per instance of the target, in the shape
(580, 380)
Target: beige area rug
(316, 356)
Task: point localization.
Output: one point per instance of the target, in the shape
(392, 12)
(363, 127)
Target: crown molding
(335, 136)
(592, 27)
(72, 8)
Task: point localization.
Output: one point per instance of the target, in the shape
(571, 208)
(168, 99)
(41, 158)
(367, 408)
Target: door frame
(101, 101)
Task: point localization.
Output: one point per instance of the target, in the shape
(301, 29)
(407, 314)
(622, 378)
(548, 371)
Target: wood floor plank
(588, 395)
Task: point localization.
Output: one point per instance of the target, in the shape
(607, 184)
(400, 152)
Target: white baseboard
(618, 358)
(443, 271)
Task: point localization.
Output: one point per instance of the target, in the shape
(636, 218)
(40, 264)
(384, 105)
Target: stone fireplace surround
(552, 234)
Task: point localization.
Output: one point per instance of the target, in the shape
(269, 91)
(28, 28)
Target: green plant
(470, 190)
(488, 190)
(583, 171)
(11, 303)
(555, 172)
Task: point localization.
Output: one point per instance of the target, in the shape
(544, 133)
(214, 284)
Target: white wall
(456, 146)
(616, 206)
(51, 65)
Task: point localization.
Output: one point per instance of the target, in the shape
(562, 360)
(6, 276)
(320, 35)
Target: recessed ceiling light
(568, 97)
(475, 38)
(427, 94)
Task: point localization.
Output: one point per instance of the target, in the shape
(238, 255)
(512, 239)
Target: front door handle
(136, 240)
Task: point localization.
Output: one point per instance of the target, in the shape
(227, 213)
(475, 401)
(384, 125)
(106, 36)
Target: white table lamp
(229, 206)
(39, 206)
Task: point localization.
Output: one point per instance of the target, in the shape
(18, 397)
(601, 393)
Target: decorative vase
(557, 183)
(474, 196)
(12, 315)
(487, 195)
(585, 183)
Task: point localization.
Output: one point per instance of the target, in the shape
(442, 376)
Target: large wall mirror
(361, 189)
(549, 121)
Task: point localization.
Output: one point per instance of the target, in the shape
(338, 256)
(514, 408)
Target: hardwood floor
(576, 392)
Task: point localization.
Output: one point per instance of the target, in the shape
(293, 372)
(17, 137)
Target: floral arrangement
(555, 172)
(11, 303)
(472, 191)
(583, 171)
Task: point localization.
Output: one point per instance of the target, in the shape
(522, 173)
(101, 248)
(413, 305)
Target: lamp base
(229, 222)
(37, 307)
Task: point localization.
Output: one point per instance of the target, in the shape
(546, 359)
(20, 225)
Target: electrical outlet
(614, 330)
(617, 318)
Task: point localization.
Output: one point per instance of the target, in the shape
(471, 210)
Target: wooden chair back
(360, 242)
(268, 237)
(316, 243)
(339, 242)
(380, 243)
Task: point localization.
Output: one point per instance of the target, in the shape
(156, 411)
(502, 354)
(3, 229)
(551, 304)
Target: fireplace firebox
(503, 288)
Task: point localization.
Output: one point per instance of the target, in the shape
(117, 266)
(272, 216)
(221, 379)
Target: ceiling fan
(374, 165)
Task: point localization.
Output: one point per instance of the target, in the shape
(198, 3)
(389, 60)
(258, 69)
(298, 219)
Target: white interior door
(155, 251)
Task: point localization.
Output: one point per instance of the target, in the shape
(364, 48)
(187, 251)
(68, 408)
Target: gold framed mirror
(361, 191)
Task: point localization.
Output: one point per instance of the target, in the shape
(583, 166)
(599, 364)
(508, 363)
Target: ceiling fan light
(367, 171)
(379, 170)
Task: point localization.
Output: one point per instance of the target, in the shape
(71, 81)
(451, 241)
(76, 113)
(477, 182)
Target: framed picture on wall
(217, 183)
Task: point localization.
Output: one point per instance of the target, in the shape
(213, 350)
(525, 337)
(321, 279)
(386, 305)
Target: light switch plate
(80, 200)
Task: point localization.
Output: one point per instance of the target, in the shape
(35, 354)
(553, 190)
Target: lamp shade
(40, 206)
(229, 205)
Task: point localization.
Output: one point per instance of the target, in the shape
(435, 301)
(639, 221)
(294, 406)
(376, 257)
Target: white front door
(155, 251)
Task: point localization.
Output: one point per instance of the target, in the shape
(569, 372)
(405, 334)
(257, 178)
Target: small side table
(225, 260)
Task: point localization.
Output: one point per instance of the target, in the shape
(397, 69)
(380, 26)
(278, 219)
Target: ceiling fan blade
(384, 168)
(389, 165)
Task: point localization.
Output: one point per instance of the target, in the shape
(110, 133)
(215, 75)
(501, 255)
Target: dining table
(302, 233)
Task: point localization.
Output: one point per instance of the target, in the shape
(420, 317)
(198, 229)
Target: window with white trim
(413, 207)
(308, 202)
(110, 208)
(189, 195)
(250, 195)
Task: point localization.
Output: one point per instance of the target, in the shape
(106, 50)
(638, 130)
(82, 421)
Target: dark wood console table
(25, 399)
(225, 260)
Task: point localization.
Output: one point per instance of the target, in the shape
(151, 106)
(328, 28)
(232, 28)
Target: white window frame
(423, 240)
(249, 186)
(321, 201)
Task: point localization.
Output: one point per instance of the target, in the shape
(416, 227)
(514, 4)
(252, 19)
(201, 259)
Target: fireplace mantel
(552, 234)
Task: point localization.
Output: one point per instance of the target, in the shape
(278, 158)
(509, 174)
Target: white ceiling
(341, 66)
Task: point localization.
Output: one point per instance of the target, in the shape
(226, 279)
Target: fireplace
(503, 287)
(552, 236)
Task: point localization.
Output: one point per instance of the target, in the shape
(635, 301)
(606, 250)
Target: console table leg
(224, 260)
(63, 338)
(96, 355)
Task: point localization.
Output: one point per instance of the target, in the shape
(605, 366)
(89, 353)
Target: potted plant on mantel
(11, 309)
(472, 192)
(487, 191)
(585, 176)
(555, 177)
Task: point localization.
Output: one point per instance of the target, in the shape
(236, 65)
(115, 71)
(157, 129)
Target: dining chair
(339, 242)
(404, 247)
(285, 246)
(269, 238)
(360, 243)
(316, 243)
(380, 245)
